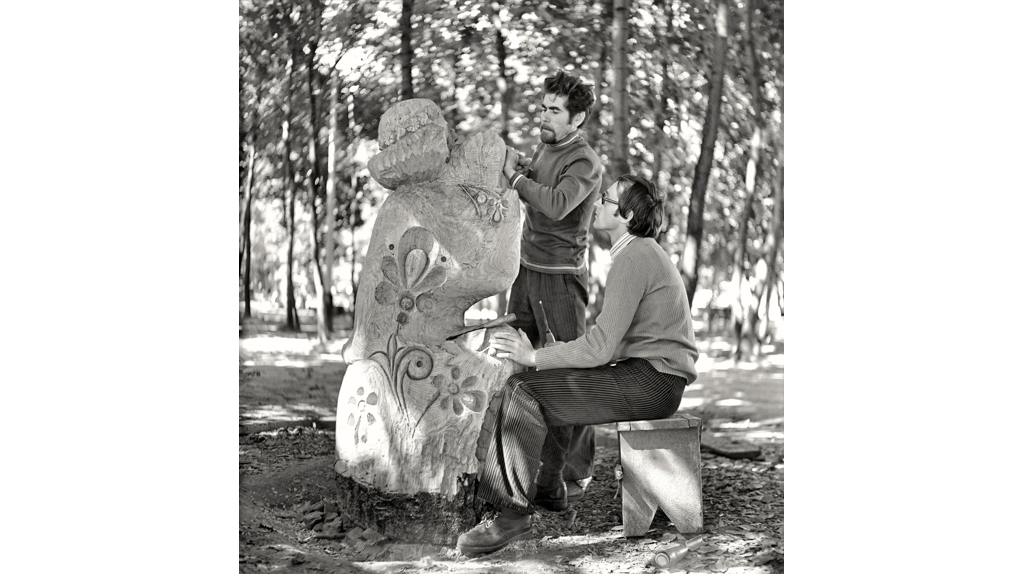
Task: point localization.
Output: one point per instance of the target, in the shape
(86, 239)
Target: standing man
(559, 187)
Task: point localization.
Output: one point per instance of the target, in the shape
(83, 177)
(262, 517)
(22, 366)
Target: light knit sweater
(646, 315)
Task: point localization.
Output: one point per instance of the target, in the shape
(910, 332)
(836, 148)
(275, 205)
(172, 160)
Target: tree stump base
(422, 518)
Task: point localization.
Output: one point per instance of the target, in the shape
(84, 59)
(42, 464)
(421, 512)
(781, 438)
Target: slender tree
(620, 93)
(313, 177)
(406, 54)
(505, 88)
(660, 99)
(745, 322)
(774, 240)
(291, 313)
(741, 297)
(695, 218)
(247, 226)
(332, 177)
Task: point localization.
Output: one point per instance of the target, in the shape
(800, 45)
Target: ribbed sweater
(559, 191)
(646, 314)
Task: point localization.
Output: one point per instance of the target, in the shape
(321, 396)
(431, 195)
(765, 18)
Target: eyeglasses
(605, 200)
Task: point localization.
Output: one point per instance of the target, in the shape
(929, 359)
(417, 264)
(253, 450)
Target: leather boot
(495, 533)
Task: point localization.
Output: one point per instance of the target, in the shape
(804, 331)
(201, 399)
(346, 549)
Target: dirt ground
(287, 522)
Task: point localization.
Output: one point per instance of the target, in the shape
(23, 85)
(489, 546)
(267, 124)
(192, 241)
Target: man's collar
(568, 139)
(621, 244)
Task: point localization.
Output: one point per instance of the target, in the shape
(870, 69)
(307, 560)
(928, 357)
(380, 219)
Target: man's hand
(515, 347)
(511, 162)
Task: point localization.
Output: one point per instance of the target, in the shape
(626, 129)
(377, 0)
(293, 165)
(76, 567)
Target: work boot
(554, 499)
(495, 533)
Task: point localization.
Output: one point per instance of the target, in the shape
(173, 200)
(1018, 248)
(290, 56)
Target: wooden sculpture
(412, 403)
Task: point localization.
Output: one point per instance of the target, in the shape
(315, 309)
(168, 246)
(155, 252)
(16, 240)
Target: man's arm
(580, 178)
(626, 286)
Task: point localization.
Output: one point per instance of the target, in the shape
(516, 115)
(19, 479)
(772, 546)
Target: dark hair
(640, 196)
(579, 95)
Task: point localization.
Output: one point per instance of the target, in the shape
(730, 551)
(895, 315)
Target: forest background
(122, 291)
(689, 94)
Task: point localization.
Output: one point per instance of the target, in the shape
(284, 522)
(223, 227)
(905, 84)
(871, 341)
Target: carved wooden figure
(412, 403)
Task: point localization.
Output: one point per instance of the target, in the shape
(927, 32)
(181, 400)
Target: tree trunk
(416, 393)
(319, 282)
(291, 313)
(659, 133)
(664, 140)
(695, 218)
(505, 89)
(352, 207)
(243, 135)
(504, 82)
(741, 301)
(405, 54)
(594, 126)
(748, 323)
(775, 237)
(247, 229)
(620, 93)
(328, 300)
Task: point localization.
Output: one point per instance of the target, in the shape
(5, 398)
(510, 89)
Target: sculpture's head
(446, 238)
(415, 143)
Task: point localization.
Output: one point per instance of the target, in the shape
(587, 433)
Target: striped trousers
(532, 403)
(565, 299)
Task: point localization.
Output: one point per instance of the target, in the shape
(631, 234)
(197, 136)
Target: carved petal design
(434, 279)
(425, 303)
(390, 269)
(415, 265)
(416, 238)
(456, 406)
(385, 293)
(475, 401)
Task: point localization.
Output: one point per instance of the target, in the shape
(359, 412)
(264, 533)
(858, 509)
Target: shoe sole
(481, 550)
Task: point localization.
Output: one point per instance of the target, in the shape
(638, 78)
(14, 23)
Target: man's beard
(547, 136)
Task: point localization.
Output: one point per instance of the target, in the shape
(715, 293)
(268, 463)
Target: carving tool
(549, 337)
(492, 323)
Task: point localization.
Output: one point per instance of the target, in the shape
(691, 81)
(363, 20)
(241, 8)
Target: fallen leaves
(743, 519)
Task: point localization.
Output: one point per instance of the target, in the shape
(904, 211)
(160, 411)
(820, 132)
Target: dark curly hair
(640, 196)
(579, 95)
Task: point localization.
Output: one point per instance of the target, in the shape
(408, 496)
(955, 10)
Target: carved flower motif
(460, 396)
(411, 273)
(499, 209)
(362, 414)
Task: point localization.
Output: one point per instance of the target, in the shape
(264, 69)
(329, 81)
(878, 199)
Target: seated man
(632, 365)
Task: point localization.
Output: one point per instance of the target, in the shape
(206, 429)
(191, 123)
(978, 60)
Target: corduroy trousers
(535, 402)
(565, 305)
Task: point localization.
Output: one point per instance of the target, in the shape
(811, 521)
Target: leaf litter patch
(288, 522)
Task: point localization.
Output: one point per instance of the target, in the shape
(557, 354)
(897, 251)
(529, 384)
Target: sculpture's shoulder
(478, 160)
